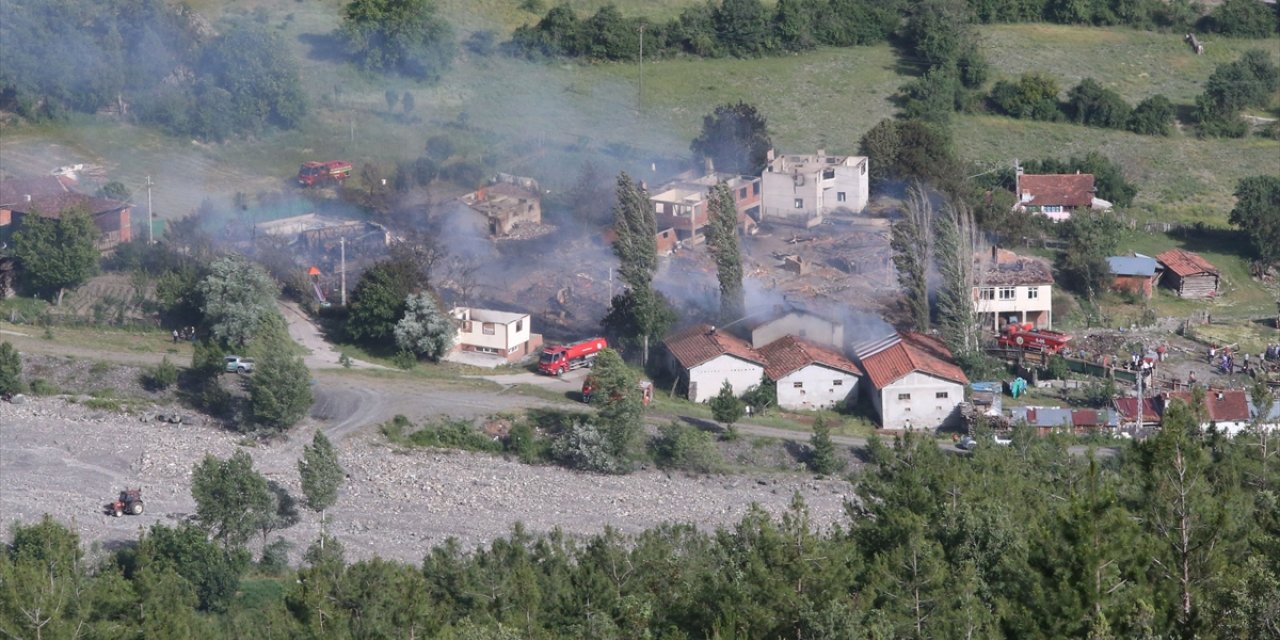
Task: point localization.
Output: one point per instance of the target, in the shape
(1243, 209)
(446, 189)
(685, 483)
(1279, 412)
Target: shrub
(585, 447)
(523, 442)
(42, 387)
(1091, 104)
(1034, 96)
(822, 454)
(10, 370)
(686, 448)
(275, 557)
(1056, 369)
(446, 433)
(162, 376)
(1153, 117)
(1244, 18)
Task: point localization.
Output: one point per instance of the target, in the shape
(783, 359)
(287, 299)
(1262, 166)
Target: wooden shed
(1189, 274)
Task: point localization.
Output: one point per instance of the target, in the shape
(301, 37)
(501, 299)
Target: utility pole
(640, 98)
(150, 224)
(342, 242)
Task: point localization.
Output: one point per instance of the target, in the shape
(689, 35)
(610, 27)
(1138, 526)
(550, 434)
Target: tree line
(1178, 536)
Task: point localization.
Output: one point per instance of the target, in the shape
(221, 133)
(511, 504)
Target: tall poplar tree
(956, 243)
(911, 242)
(638, 314)
(722, 238)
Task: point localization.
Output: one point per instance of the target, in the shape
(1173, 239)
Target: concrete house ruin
(682, 203)
(801, 190)
(507, 202)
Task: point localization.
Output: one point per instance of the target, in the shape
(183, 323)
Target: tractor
(130, 502)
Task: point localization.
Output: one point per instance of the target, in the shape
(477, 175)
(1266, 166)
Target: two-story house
(682, 203)
(1013, 289)
(1056, 195)
(491, 338)
(801, 189)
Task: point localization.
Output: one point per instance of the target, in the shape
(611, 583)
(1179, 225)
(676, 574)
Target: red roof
(50, 196)
(1128, 408)
(1062, 189)
(700, 343)
(1185, 263)
(890, 360)
(788, 354)
(1230, 405)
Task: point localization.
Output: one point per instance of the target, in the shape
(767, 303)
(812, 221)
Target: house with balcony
(1056, 195)
(682, 203)
(491, 338)
(800, 190)
(1013, 289)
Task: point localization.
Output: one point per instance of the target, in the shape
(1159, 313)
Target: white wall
(819, 195)
(923, 410)
(505, 334)
(820, 388)
(706, 379)
(800, 325)
(1021, 302)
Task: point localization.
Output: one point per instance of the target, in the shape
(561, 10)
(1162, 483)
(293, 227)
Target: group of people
(185, 333)
(1225, 361)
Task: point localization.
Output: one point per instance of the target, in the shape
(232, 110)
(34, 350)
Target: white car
(1002, 440)
(966, 443)
(236, 364)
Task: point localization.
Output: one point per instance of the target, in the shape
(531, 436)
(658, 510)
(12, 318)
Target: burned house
(683, 203)
(50, 196)
(507, 202)
(801, 190)
(1013, 289)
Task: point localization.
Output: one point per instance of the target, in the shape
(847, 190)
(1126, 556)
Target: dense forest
(1177, 536)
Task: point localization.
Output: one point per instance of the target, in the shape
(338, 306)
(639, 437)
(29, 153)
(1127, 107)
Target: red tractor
(1028, 338)
(318, 174)
(130, 502)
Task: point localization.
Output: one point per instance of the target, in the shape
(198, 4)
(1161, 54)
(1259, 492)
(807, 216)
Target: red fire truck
(558, 359)
(1026, 336)
(315, 174)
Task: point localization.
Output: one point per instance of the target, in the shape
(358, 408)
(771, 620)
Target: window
(837, 382)
(799, 203)
(941, 395)
(488, 329)
(1008, 293)
(987, 293)
(840, 196)
(742, 193)
(797, 385)
(828, 174)
(519, 325)
(755, 188)
(466, 326)
(1051, 208)
(1033, 293)
(904, 396)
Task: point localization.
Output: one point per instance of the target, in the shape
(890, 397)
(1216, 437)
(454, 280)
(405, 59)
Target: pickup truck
(237, 364)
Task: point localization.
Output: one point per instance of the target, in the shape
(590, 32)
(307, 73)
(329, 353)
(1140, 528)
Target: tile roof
(1128, 408)
(697, 344)
(1065, 189)
(1185, 263)
(891, 359)
(789, 353)
(1229, 405)
(51, 195)
(15, 191)
(1132, 265)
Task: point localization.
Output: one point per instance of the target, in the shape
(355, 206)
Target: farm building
(809, 376)
(1055, 196)
(703, 358)
(1189, 274)
(1134, 274)
(1046, 420)
(915, 381)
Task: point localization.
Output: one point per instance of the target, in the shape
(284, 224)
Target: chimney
(994, 255)
(822, 153)
(26, 197)
(711, 331)
(768, 155)
(709, 166)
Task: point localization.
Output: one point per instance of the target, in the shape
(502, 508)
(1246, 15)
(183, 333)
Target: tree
(116, 191)
(621, 409)
(958, 241)
(237, 297)
(405, 36)
(425, 329)
(726, 407)
(1091, 104)
(1091, 236)
(1244, 18)
(941, 34)
(793, 25)
(1247, 82)
(321, 475)
(1257, 212)
(1153, 116)
(213, 573)
(231, 498)
(10, 370)
(56, 253)
(1033, 96)
(742, 27)
(280, 388)
(722, 238)
(639, 314)
(911, 150)
(736, 138)
(256, 77)
(378, 300)
(822, 455)
(911, 241)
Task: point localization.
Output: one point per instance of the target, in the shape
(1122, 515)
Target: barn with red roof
(915, 382)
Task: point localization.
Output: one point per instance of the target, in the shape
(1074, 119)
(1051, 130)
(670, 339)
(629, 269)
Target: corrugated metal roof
(887, 361)
(1132, 265)
(1185, 263)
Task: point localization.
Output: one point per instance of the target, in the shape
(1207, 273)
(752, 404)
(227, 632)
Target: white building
(915, 382)
(491, 338)
(703, 358)
(1013, 288)
(801, 189)
(793, 321)
(809, 376)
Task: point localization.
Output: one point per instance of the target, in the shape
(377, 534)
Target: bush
(1034, 96)
(523, 442)
(446, 433)
(585, 447)
(1152, 117)
(1244, 19)
(10, 370)
(161, 377)
(685, 448)
(1089, 103)
(822, 454)
(42, 387)
(275, 557)
(1057, 369)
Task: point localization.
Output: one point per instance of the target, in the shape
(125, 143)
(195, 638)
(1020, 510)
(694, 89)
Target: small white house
(490, 338)
(809, 376)
(794, 321)
(703, 358)
(915, 382)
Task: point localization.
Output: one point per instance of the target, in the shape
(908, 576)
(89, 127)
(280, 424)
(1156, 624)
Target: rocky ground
(62, 458)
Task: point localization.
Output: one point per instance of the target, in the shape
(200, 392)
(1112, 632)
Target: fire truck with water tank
(318, 174)
(558, 359)
(1029, 338)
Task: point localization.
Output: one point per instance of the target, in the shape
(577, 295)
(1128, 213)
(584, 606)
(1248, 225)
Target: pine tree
(10, 370)
(822, 457)
(911, 244)
(425, 329)
(726, 407)
(280, 390)
(638, 314)
(722, 238)
(321, 475)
